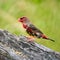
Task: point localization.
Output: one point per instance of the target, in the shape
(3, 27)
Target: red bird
(31, 29)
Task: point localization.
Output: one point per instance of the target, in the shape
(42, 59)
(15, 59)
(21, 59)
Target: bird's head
(23, 19)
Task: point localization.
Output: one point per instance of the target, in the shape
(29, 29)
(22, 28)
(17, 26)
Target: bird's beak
(19, 20)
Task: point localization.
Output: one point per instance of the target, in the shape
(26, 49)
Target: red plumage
(31, 29)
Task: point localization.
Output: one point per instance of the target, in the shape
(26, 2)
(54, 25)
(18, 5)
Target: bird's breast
(25, 26)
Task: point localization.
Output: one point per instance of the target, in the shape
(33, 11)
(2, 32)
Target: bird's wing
(35, 29)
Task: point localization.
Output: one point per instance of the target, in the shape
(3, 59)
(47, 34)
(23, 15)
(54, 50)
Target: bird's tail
(45, 37)
(50, 39)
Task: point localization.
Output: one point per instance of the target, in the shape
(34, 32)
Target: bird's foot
(30, 38)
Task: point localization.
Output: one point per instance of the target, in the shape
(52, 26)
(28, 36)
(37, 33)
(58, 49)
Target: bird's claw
(30, 39)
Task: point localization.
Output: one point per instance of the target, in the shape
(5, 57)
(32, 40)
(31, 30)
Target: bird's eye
(21, 18)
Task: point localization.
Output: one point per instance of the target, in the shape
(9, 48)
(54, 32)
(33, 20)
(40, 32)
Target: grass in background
(44, 14)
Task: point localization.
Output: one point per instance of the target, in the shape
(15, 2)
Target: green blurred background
(44, 14)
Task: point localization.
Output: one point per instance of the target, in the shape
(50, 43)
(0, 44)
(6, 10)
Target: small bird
(32, 30)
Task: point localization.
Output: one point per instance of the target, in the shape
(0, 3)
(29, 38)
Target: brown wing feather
(32, 30)
(35, 29)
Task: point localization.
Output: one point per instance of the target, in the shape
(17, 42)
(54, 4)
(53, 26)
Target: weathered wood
(13, 47)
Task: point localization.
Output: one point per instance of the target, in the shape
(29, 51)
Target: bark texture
(14, 47)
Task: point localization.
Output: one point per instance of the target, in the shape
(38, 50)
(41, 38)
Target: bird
(32, 30)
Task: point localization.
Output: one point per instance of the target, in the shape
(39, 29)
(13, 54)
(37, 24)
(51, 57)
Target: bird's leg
(30, 38)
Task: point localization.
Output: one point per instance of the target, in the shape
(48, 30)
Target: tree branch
(13, 47)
